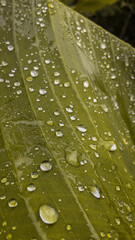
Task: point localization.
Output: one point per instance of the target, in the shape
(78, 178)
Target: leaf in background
(88, 5)
(67, 126)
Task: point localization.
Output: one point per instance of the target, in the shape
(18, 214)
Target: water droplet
(29, 79)
(1, 80)
(104, 107)
(110, 145)
(118, 188)
(103, 45)
(86, 84)
(47, 61)
(3, 197)
(59, 133)
(56, 74)
(81, 128)
(19, 92)
(109, 235)
(3, 180)
(81, 188)
(102, 234)
(34, 175)
(4, 63)
(71, 157)
(69, 109)
(16, 84)
(69, 227)
(31, 187)
(73, 117)
(45, 166)
(93, 146)
(56, 81)
(10, 47)
(113, 76)
(34, 73)
(50, 122)
(48, 214)
(3, 3)
(56, 113)
(4, 224)
(42, 91)
(117, 220)
(12, 203)
(67, 84)
(95, 191)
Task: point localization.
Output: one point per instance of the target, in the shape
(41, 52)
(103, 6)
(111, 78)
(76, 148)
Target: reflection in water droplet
(56, 74)
(31, 187)
(81, 188)
(71, 157)
(42, 91)
(48, 214)
(95, 191)
(34, 73)
(81, 128)
(12, 203)
(45, 166)
(59, 133)
(34, 175)
(29, 79)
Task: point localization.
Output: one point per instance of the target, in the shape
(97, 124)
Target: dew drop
(81, 188)
(81, 128)
(57, 82)
(69, 109)
(31, 187)
(95, 191)
(9, 237)
(59, 133)
(45, 166)
(67, 84)
(110, 145)
(42, 91)
(29, 79)
(47, 61)
(48, 214)
(103, 45)
(50, 123)
(12, 203)
(56, 74)
(86, 84)
(69, 227)
(34, 73)
(34, 175)
(10, 48)
(118, 188)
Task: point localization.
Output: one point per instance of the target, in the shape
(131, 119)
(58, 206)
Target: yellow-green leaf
(67, 168)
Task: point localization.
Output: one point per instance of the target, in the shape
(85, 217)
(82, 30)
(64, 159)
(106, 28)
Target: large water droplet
(95, 191)
(48, 214)
(10, 47)
(81, 128)
(45, 166)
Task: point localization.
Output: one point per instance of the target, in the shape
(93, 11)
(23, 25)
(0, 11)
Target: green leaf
(67, 168)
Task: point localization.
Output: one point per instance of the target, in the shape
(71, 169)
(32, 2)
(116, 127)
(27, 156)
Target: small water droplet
(47, 61)
(86, 84)
(81, 128)
(12, 203)
(45, 166)
(34, 73)
(3, 180)
(110, 145)
(67, 84)
(103, 45)
(56, 81)
(56, 74)
(42, 91)
(34, 175)
(48, 214)
(104, 107)
(102, 234)
(81, 188)
(31, 187)
(50, 122)
(95, 191)
(93, 146)
(29, 79)
(117, 187)
(69, 227)
(3, 3)
(69, 109)
(59, 133)
(10, 48)
(9, 237)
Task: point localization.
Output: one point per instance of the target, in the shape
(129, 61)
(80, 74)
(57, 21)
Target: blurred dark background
(117, 18)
